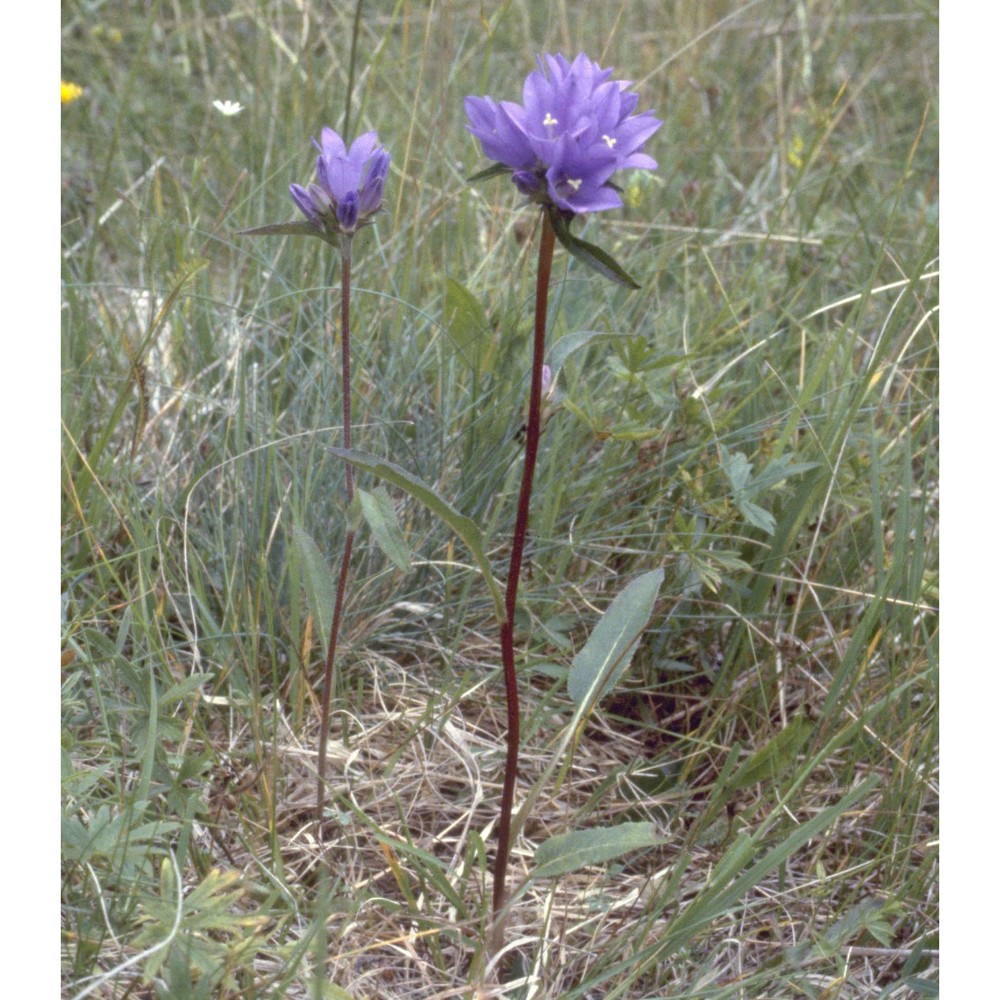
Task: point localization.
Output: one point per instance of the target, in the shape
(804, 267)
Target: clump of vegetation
(745, 448)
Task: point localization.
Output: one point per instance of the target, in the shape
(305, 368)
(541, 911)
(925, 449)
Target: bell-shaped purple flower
(575, 128)
(349, 184)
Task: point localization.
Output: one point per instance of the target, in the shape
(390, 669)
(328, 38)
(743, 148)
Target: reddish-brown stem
(331, 647)
(514, 572)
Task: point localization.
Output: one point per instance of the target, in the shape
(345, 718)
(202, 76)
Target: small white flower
(228, 107)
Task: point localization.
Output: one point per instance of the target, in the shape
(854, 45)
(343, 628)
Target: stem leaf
(380, 514)
(463, 526)
(587, 253)
(494, 170)
(282, 229)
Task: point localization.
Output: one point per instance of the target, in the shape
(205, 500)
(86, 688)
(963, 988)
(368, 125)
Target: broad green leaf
(318, 581)
(587, 253)
(774, 759)
(463, 526)
(569, 852)
(468, 326)
(608, 651)
(381, 517)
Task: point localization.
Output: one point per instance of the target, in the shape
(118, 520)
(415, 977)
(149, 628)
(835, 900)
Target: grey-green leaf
(565, 346)
(587, 253)
(463, 526)
(380, 514)
(569, 852)
(609, 650)
(755, 515)
(318, 581)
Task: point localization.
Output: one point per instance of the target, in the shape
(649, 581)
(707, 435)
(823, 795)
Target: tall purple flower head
(575, 128)
(349, 182)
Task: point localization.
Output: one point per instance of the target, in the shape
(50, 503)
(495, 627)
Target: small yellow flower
(795, 152)
(69, 92)
(112, 35)
(632, 195)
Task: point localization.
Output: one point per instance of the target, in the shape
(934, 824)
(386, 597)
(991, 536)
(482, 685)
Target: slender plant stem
(331, 646)
(514, 572)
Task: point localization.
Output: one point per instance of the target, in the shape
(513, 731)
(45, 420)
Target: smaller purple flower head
(349, 183)
(575, 128)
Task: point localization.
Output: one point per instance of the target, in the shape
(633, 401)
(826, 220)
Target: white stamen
(610, 140)
(574, 184)
(549, 120)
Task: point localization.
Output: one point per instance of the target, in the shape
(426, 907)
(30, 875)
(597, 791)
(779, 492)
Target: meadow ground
(761, 424)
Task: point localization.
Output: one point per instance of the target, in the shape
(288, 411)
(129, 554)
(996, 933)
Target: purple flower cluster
(574, 130)
(349, 183)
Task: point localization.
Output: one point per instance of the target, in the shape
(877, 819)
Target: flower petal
(575, 127)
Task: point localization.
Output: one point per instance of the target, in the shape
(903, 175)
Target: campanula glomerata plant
(346, 196)
(562, 146)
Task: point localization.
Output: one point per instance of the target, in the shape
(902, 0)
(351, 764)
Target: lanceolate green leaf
(380, 514)
(608, 652)
(318, 581)
(569, 852)
(493, 170)
(463, 526)
(283, 229)
(587, 253)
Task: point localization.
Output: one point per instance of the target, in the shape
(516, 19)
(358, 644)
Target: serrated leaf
(318, 581)
(609, 650)
(463, 526)
(380, 514)
(569, 852)
(588, 254)
(756, 516)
